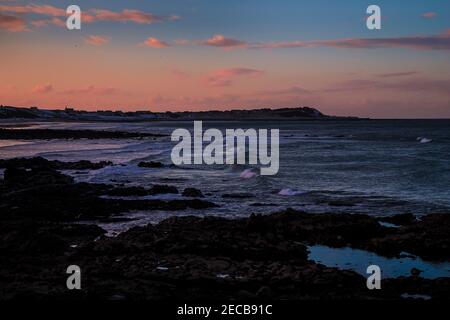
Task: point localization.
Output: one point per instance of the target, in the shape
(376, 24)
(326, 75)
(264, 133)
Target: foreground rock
(428, 238)
(400, 219)
(186, 258)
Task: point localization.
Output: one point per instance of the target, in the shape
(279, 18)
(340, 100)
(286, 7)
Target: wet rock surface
(259, 257)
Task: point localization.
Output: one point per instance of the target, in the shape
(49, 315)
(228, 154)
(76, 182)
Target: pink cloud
(90, 15)
(12, 23)
(221, 41)
(42, 88)
(429, 15)
(96, 40)
(224, 77)
(46, 22)
(155, 43)
(32, 8)
(127, 15)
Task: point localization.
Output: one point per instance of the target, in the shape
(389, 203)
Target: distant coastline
(70, 114)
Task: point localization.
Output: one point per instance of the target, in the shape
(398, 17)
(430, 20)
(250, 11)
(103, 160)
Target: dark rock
(31, 238)
(264, 293)
(416, 272)
(259, 204)
(181, 257)
(44, 193)
(399, 219)
(427, 238)
(35, 177)
(128, 191)
(141, 191)
(242, 195)
(193, 193)
(40, 163)
(150, 164)
(341, 203)
(328, 229)
(163, 188)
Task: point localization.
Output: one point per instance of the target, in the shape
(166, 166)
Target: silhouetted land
(300, 113)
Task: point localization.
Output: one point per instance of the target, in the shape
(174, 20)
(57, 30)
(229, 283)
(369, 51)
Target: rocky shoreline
(260, 257)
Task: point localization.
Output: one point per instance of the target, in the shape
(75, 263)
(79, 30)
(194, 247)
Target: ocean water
(377, 167)
(359, 260)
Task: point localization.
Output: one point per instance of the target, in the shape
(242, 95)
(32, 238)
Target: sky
(178, 55)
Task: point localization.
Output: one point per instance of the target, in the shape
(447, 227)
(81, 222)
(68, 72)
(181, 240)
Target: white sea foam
(415, 296)
(424, 140)
(289, 192)
(248, 173)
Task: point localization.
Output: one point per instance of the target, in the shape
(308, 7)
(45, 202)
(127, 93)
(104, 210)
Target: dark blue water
(359, 260)
(375, 167)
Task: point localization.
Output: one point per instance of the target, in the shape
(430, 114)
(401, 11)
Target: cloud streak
(97, 40)
(429, 15)
(47, 22)
(220, 41)
(42, 88)
(425, 42)
(126, 15)
(33, 8)
(398, 74)
(225, 77)
(88, 16)
(431, 42)
(12, 23)
(155, 43)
